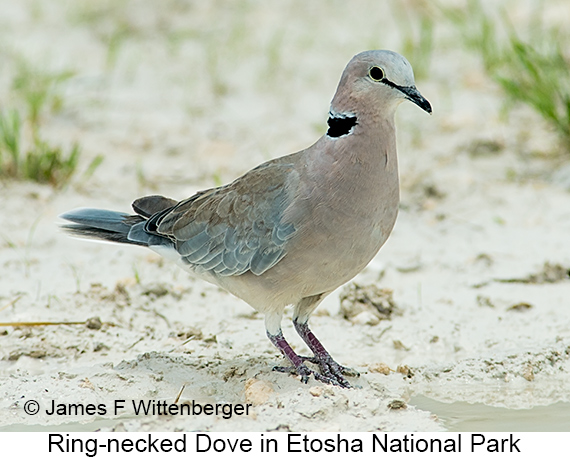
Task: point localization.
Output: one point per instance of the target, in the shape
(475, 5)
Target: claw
(329, 365)
(326, 376)
(330, 371)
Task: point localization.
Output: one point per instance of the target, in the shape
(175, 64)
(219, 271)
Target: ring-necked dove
(293, 229)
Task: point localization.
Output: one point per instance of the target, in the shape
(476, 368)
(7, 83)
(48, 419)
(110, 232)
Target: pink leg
(299, 366)
(329, 367)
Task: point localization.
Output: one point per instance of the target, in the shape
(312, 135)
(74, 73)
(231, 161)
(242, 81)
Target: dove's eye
(376, 73)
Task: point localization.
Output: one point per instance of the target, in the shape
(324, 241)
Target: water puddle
(476, 417)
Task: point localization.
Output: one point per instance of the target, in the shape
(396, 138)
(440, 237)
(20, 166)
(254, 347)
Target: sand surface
(180, 96)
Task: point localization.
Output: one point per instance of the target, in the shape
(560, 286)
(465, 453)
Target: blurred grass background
(177, 91)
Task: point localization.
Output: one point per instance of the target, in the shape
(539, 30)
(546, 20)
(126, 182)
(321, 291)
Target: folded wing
(231, 229)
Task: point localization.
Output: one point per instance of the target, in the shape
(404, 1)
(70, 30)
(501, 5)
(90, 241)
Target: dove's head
(376, 82)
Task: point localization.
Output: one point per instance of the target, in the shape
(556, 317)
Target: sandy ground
(192, 94)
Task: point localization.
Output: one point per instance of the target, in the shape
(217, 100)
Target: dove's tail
(101, 224)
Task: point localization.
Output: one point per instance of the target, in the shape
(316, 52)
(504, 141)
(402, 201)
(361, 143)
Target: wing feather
(235, 228)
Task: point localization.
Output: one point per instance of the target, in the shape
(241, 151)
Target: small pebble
(397, 404)
(381, 368)
(405, 370)
(257, 392)
(316, 391)
(93, 323)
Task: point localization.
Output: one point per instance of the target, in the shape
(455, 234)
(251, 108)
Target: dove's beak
(413, 95)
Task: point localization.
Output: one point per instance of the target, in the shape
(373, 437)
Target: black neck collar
(340, 124)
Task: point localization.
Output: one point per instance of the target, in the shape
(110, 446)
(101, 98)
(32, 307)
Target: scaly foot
(328, 363)
(326, 376)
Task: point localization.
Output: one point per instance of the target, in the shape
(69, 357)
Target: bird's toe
(326, 376)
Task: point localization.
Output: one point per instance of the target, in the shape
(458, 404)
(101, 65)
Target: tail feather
(100, 218)
(84, 231)
(148, 206)
(103, 225)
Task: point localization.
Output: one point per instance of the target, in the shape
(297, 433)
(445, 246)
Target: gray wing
(235, 228)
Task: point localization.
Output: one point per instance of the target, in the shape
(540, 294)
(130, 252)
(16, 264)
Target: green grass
(533, 71)
(24, 153)
(40, 162)
(50, 164)
(477, 30)
(109, 21)
(541, 80)
(38, 90)
(10, 128)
